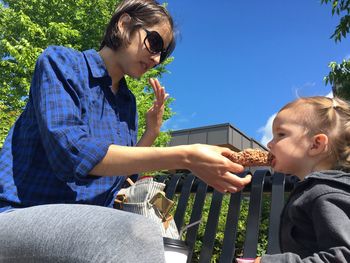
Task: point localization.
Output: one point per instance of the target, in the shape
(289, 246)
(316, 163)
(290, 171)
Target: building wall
(221, 134)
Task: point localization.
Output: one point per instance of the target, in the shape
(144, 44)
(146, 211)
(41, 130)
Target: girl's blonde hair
(330, 116)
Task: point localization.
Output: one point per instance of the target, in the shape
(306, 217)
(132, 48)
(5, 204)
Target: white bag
(146, 197)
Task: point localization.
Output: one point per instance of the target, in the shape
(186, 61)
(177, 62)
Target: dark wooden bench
(183, 185)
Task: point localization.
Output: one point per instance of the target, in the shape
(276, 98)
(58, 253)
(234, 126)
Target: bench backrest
(262, 181)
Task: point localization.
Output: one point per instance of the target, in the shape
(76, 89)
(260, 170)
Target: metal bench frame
(263, 180)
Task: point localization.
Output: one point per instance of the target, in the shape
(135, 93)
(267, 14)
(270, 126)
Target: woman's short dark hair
(143, 13)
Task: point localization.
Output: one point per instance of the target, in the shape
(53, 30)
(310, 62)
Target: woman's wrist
(147, 139)
(152, 132)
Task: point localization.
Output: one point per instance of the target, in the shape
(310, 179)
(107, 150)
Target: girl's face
(290, 145)
(139, 57)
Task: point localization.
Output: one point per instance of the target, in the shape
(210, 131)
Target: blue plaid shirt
(70, 120)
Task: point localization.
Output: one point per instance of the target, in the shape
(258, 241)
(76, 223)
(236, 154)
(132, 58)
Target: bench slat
(196, 215)
(172, 185)
(210, 230)
(183, 200)
(277, 203)
(252, 232)
(229, 247)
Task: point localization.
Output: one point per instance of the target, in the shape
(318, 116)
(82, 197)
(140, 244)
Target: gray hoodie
(315, 222)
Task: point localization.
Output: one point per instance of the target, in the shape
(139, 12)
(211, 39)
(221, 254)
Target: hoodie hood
(331, 176)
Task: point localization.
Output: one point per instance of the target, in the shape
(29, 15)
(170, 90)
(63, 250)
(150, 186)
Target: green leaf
(341, 8)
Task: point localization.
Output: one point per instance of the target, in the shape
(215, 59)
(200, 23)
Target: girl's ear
(123, 21)
(319, 144)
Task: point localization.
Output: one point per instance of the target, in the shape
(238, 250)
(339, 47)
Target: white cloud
(330, 95)
(267, 131)
(169, 125)
(304, 90)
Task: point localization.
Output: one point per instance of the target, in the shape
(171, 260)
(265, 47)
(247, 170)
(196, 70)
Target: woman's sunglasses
(155, 44)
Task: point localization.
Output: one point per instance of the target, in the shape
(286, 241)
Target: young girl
(71, 149)
(311, 139)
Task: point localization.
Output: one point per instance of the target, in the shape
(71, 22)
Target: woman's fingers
(236, 181)
(231, 183)
(233, 167)
(226, 189)
(225, 182)
(159, 92)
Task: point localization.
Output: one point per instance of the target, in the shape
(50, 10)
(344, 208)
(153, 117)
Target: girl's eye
(281, 134)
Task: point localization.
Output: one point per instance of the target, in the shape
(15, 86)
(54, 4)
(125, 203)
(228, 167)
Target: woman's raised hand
(154, 116)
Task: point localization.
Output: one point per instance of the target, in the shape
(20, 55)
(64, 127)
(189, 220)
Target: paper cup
(176, 251)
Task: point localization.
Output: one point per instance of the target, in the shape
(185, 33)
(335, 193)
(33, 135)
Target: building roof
(220, 134)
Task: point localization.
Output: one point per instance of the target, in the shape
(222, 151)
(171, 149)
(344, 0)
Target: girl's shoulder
(324, 188)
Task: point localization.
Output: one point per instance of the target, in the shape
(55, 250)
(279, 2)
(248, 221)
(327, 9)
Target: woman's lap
(78, 233)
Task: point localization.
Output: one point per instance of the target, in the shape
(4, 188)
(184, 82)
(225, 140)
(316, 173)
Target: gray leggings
(78, 233)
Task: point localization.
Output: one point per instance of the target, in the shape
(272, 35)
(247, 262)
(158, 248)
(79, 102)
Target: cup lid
(174, 242)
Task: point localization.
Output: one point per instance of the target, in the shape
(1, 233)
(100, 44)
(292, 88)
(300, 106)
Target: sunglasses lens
(163, 56)
(155, 42)
(166, 53)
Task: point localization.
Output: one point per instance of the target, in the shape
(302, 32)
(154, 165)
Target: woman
(70, 151)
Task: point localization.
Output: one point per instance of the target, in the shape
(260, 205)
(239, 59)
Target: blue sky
(239, 62)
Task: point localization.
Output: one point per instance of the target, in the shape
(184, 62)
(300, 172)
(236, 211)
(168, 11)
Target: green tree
(27, 27)
(339, 76)
(339, 8)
